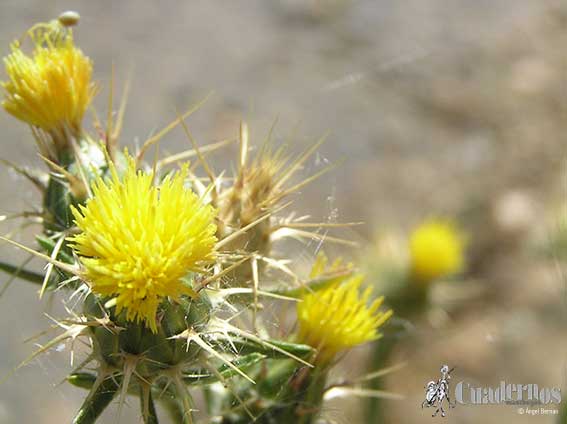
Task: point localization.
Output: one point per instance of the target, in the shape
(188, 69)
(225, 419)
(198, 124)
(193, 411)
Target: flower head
(138, 241)
(338, 318)
(436, 250)
(52, 88)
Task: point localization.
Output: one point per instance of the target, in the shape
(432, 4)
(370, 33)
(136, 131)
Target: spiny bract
(138, 241)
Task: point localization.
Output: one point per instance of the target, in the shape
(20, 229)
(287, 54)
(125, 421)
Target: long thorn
(244, 136)
(150, 141)
(108, 135)
(242, 230)
(202, 159)
(205, 346)
(299, 161)
(301, 184)
(50, 266)
(191, 152)
(65, 267)
(256, 283)
(121, 112)
(221, 274)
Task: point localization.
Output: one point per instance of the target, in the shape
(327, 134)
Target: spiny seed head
(138, 241)
(338, 318)
(436, 250)
(52, 88)
(253, 193)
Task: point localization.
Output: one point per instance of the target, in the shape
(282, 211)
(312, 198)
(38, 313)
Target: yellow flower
(338, 318)
(52, 88)
(138, 241)
(436, 250)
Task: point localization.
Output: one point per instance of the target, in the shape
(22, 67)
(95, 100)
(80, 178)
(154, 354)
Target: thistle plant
(163, 275)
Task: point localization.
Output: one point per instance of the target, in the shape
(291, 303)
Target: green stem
(563, 414)
(409, 303)
(379, 358)
(186, 400)
(98, 399)
(311, 402)
(149, 413)
(173, 408)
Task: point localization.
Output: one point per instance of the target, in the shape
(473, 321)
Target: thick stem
(149, 413)
(310, 406)
(98, 399)
(186, 400)
(563, 414)
(380, 357)
(173, 408)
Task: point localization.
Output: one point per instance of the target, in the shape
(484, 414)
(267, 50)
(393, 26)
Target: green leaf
(243, 363)
(246, 346)
(24, 274)
(48, 245)
(83, 380)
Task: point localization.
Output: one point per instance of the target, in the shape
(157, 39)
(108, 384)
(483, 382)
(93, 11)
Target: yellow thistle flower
(436, 250)
(52, 88)
(338, 318)
(138, 241)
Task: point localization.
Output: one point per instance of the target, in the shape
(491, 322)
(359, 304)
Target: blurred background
(439, 107)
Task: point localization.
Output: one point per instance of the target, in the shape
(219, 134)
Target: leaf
(246, 347)
(83, 380)
(24, 274)
(48, 245)
(243, 363)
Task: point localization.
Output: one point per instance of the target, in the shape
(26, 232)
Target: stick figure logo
(438, 391)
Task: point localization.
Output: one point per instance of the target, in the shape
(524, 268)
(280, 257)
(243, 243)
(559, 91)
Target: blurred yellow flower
(52, 88)
(436, 250)
(138, 241)
(338, 318)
